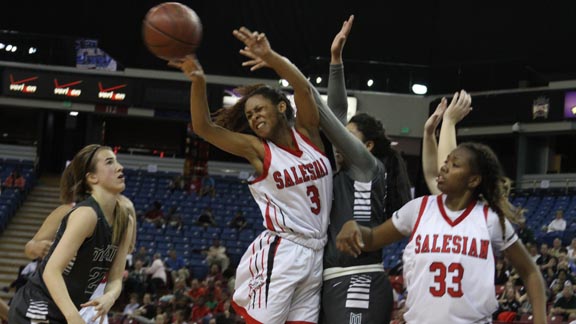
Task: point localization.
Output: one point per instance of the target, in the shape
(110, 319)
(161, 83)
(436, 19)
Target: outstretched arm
(459, 107)
(337, 96)
(40, 244)
(307, 117)
(430, 147)
(239, 144)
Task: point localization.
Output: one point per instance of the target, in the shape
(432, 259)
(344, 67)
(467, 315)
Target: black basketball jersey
(82, 275)
(361, 201)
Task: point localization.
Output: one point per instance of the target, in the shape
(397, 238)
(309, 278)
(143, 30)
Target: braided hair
(234, 118)
(495, 186)
(397, 181)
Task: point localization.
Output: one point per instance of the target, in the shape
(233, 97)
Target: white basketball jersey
(449, 265)
(294, 191)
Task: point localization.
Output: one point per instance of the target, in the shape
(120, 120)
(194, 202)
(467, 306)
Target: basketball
(171, 30)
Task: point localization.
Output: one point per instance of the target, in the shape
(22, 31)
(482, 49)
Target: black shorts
(30, 304)
(364, 298)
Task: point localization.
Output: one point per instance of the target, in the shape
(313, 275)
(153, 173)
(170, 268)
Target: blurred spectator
(227, 315)
(148, 308)
(143, 255)
(207, 186)
(175, 266)
(508, 306)
(176, 183)
(533, 250)
(206, 218)
(238, 221)
(196, 290)
(525, 233)
(216, 254)
(15, 180)
(565, 306)
(173, 218)
(556, 246)
(502, 274)
(137, 277)
(194, 184)
(544, 258)
(559, 223)
(155, 215)
(132, 305)
(157, 272)
(572, 250)
(200, 311)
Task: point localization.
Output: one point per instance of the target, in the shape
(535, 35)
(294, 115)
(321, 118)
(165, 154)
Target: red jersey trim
(420, 213)
(460, 218)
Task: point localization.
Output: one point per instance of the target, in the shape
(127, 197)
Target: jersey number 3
(454, 272)
(312, 193)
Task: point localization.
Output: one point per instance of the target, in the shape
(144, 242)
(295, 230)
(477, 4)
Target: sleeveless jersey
(85, 271)
(449, 262)
(294, 191)
(365, 202)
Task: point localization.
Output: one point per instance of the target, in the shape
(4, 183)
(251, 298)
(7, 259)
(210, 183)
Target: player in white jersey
(279, 277)
(452, 240)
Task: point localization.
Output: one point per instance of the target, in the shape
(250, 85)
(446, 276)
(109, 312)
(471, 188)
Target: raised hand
(459, 107)
(256, 42)
(340, 40)
(434, 120)
(190, 66)
(255, 62)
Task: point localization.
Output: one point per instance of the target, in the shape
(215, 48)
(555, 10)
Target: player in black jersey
(91, 242)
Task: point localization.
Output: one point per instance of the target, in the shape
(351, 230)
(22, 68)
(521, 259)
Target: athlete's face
(263, 115)
(456, 175)
(109, 173)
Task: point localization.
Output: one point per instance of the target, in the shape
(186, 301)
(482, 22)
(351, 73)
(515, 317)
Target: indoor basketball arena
(151, 184)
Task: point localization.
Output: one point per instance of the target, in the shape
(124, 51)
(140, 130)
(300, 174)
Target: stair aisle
(41, 200)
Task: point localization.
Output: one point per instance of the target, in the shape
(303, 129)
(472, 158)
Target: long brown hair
(73, 185)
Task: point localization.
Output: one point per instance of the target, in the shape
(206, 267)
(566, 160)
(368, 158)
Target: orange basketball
(171, 30)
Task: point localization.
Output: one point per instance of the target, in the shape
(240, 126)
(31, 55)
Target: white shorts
(278, 281)
(88, 313)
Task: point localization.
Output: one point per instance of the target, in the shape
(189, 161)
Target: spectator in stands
(238, 221)
(508, 305)
(226, 316)
(155, 215)
(15, 180)
(194, 184)
(544, 258)
(208, 186)
(196, 290)
(206, 218)
(176, 183)
(525, 233)
(175, 266)
(565, 306)
(559, 223)
(173, 218)
(502, 274)
(157, 272)
(572, 250)
(533, 250)
(200, 311)
(556, 246)
(216, 254)
(148, 308)
(143, 256)
(132, 305)
(137, 279)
